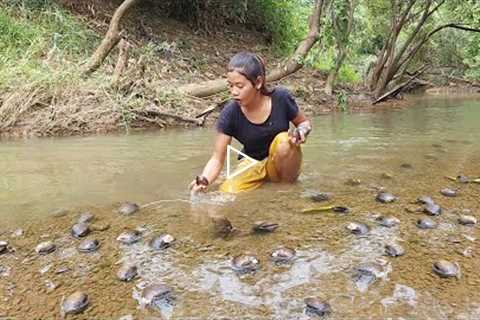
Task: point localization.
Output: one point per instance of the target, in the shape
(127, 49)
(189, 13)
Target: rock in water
(128, 208)
(75, 303)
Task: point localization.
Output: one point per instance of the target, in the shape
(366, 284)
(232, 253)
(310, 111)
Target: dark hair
(251, 66)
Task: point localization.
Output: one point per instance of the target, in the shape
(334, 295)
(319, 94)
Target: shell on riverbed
(358, 228)
(317, 307)
(127, 272)
(264, 226)
(387, 221)
(394, 250)
(385, 197)
(128, 208)
(3, 246)
(88, 245)
(86, 217)
(282, 255)
(467, 220)
(426, 223)
(432, 209)
(245, 263)
(162, 241)
(45, 247)
(446, 269)
(75, 303)
(80, 230)
(129, 237)
(448, 192)
(155, 293)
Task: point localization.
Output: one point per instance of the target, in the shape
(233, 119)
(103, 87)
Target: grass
(40, 43)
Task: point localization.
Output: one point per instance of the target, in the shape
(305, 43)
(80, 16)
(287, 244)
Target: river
(409, 152)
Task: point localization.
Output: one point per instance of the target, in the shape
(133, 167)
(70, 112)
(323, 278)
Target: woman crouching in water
(259, 119)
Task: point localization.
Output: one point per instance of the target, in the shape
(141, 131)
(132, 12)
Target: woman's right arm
(215, 164)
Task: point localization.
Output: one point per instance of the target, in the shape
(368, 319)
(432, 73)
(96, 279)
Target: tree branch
(459, 26)
(111, 39)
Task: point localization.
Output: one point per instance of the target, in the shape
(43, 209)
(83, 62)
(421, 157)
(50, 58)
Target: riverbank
(42, 91)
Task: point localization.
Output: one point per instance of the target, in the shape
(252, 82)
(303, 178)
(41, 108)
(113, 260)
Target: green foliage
(33, 32)
(348, 74)
(286, 21)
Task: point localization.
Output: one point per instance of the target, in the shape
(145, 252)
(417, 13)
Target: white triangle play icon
(243, 168)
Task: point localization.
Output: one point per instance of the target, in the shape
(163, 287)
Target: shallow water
(437, 137)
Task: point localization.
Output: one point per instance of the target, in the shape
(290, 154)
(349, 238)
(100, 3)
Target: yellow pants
(256, 175)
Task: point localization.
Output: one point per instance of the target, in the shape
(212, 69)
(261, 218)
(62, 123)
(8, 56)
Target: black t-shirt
(256, 138)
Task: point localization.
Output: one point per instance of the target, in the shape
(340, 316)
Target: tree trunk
(294, 63)
(388, 50)
(122, 61)
(342, 38)
(332, 76)
(111, 39)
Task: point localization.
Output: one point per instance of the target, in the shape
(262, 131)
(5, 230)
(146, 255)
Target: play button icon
(250, 162)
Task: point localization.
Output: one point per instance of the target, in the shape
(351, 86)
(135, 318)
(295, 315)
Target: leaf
(317, 209)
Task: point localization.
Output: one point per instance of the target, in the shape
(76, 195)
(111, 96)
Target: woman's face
(241, 89)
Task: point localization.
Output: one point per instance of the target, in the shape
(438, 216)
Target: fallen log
(162, 114)
(293, 64)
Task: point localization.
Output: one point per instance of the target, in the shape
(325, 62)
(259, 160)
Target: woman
(259, 119)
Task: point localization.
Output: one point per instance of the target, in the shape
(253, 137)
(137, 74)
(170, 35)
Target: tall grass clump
(39, 40)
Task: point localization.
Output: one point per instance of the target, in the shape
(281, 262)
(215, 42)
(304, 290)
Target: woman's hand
(298, 136)
(199, 184)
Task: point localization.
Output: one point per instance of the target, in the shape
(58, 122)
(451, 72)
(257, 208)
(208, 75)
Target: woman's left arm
(303, 128)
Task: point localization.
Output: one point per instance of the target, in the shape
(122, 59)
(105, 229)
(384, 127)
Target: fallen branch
(111, 39)
(209, 110)
(396, 90)
(157, 113)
